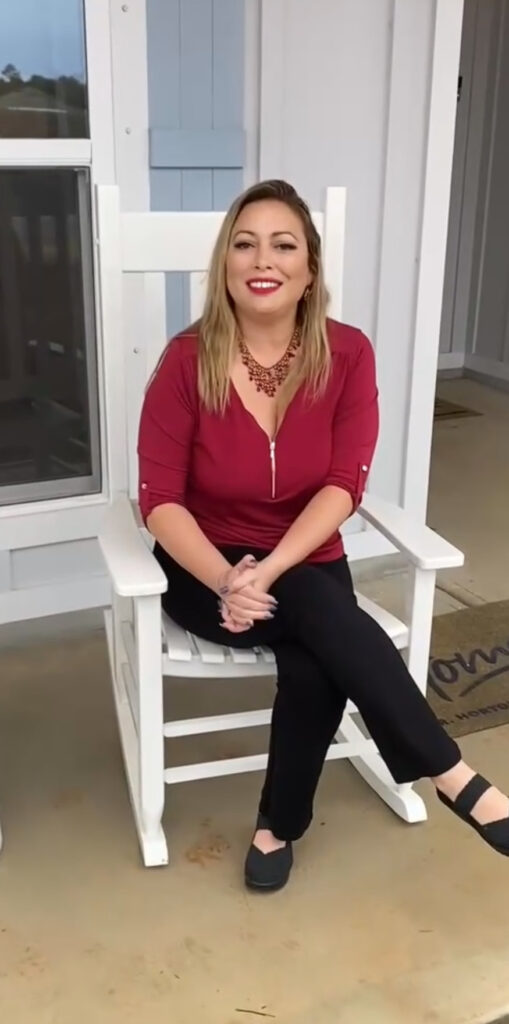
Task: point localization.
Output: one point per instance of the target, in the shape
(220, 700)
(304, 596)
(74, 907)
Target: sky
(42, 37)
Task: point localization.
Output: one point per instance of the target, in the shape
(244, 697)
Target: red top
(223, 469)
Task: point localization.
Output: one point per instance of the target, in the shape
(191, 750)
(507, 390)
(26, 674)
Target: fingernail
(269, 615)
(223, 590)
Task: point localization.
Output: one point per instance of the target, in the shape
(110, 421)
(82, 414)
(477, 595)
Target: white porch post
(431, 258)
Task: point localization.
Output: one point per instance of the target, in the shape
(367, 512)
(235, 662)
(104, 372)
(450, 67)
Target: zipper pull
(272, 448)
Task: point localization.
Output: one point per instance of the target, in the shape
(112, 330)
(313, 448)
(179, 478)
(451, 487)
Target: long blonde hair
(218, 330)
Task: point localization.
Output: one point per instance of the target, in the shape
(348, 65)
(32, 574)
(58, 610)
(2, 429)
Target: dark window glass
(49, 444)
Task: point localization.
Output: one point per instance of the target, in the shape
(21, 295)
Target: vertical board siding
(196, 83)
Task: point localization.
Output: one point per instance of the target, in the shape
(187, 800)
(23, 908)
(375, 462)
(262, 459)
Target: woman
(256, 438)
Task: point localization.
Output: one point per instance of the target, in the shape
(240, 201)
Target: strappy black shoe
(495, 833)
(267, 872)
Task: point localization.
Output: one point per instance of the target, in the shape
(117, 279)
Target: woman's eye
(285, 246)
(242, 245)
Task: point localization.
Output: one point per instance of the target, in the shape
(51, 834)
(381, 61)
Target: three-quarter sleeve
(356, 423)
(166, 430)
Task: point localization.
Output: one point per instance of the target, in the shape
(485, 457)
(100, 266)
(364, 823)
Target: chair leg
(147, 611)
(401, 798)
(138, 693)
(420, 601)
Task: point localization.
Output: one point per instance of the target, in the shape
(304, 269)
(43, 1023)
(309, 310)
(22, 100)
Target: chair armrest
(422, 546)
(133, 569)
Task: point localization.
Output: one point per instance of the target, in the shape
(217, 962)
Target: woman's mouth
(263, 286)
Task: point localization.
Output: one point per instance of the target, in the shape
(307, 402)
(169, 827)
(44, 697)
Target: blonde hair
(218, 330)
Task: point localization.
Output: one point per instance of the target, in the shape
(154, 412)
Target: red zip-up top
(241, 487)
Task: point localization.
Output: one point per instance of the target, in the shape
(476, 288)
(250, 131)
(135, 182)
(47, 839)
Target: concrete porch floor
(382, 922)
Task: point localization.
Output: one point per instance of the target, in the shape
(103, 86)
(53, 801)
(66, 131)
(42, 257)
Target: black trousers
(327, 650)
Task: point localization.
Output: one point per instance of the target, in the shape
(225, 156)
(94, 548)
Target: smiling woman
(256, 437)
(268, 252)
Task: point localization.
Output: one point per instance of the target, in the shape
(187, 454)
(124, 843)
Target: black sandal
(267, 872)
(495, 833)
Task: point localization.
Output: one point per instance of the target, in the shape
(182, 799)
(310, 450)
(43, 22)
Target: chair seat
(187, 655)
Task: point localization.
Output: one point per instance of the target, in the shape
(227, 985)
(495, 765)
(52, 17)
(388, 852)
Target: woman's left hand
(264, 578)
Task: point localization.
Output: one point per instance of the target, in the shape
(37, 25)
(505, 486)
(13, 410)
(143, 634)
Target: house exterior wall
(349, 91)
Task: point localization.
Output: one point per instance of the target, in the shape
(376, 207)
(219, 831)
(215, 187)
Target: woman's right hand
(241, 603)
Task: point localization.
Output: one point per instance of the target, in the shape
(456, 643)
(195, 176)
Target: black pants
(327, 650)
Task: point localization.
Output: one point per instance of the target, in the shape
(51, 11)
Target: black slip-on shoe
(495, 833)
(267, 872)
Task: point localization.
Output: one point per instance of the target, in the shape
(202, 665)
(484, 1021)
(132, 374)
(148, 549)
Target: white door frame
(488, 27)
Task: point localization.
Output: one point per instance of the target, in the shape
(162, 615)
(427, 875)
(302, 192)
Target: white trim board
(45, 152)
(130, 94)
(252, 75)
(100, 90)
(451, 361)
(50, 522)
(431, 257)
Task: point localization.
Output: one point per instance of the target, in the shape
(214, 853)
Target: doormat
(468, 678)
(445, 410)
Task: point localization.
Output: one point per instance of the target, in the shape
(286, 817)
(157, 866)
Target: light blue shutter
(196, 89)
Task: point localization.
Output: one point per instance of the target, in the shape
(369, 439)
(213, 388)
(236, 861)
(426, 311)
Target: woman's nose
(263, 259)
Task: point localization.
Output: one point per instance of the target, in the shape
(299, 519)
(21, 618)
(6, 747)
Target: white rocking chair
(144, 644)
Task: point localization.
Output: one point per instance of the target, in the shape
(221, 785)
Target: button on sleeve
(167, 426)
(356, 423)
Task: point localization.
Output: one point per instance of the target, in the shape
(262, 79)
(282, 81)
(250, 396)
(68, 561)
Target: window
(49, 422)
(49, 438)
(42, 69)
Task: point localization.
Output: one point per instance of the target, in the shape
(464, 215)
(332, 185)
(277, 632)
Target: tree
(10, 73)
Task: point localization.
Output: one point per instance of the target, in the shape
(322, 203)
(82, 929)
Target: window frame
(64, 487)
(48, 521)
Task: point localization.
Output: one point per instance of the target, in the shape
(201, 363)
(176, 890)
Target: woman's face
(267, 267)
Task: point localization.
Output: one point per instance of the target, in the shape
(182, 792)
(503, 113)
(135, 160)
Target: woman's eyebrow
(275, 234)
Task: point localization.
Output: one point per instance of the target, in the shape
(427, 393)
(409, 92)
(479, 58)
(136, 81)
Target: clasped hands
(243, 595)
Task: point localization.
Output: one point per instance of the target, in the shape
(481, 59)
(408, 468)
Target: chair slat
(267, 655)
(177, 641)
(210, 654)
(247, 657)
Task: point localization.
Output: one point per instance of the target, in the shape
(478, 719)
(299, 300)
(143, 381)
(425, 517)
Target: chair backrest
(142, 248)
